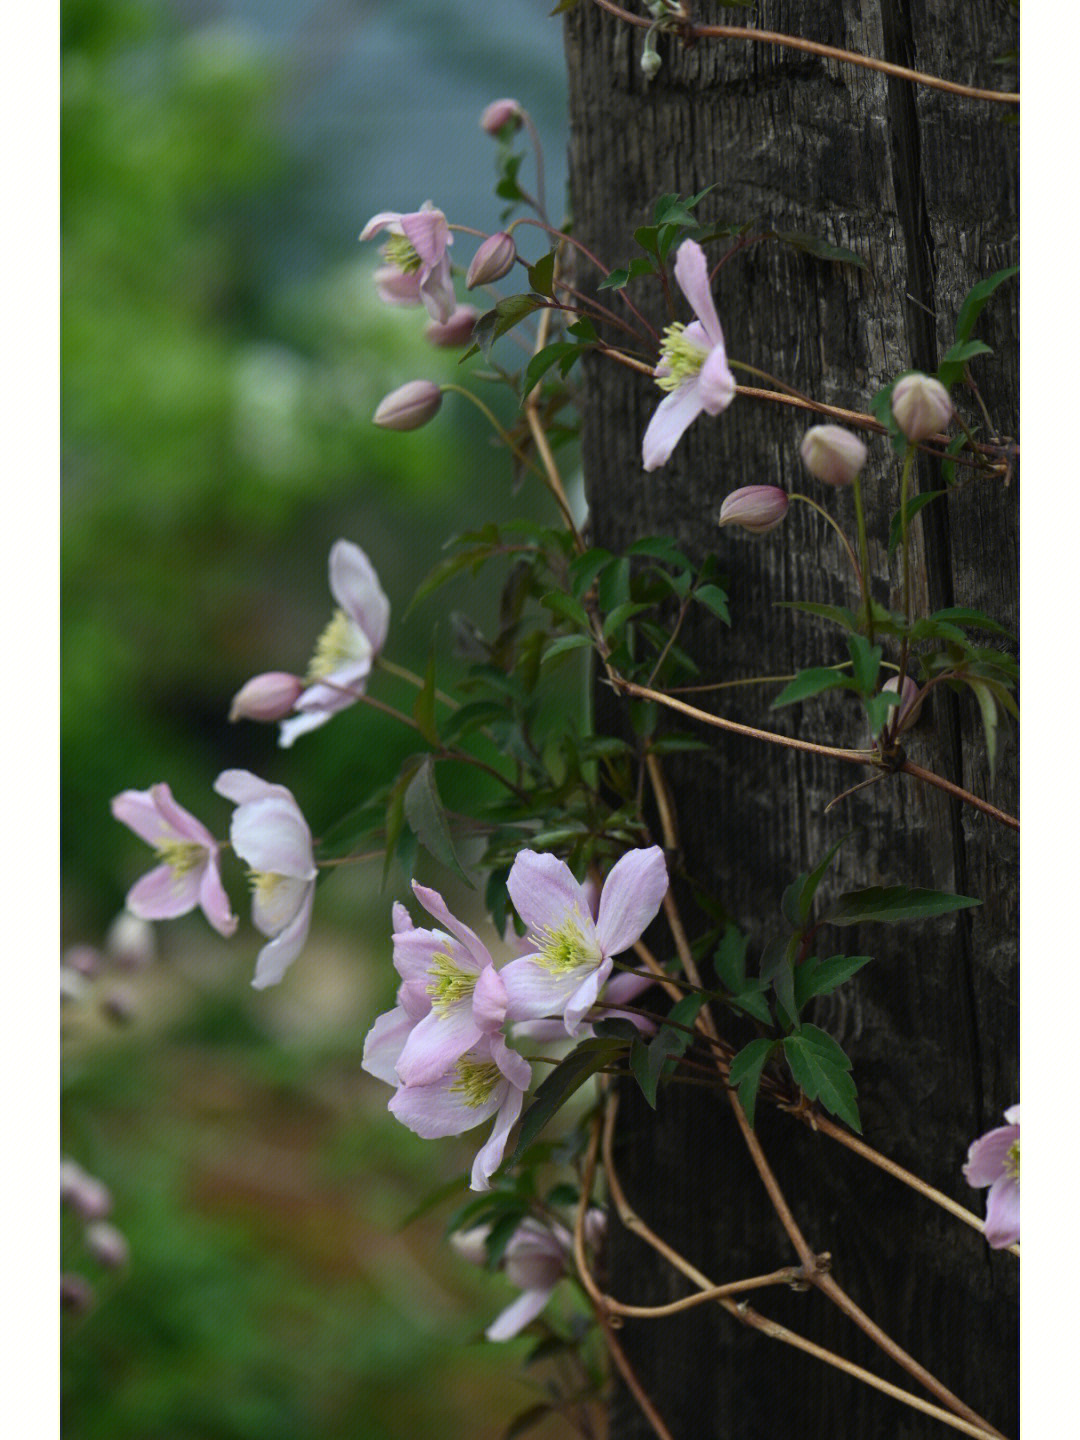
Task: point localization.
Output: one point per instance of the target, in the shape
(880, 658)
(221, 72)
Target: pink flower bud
(85, 960)
(107, 1245)
(494, 259)
(920, 406)
(83, 1192)
(832, 454)
(266, 697)
(76, 1294)
(409, 406)
(130, 942)
(756, 508)
(455, 331)
(498, 114)
(910, 702)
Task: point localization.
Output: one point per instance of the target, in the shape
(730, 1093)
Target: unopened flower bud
(498, 114)
(76, 1294)
(650, 62)
(920, 406)
(130, 941)
(494, 259)
(83, 1192)
(409, 406)
(471, 1244)
(832, 454)
(756, 508)
(266, 697)
(85, 960)
(910, 702)
(107, 1245)
(455, 331)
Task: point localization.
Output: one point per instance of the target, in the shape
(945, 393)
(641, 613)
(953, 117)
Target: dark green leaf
(961, 615)
(506, 314)
(714, 599)
(564, 644)
(615, 280)
(877, 709)
(814, 879)
(813, 682)
(914, 505)
(813, 245)
(614, 585)
(865, 663)
(424, 705)
(569, 1075)
(424, 812)
(778, 970)
(976, 299)
(542, 362)
(583, 329)
(646, 237)
(820, 1077)
(542, 274)
(559, 603)
(667, 1044)
(893, 902)
(745, 1073)
(658, 547)
(953, 361)
(838, 614)
(620, 615)
(821, 977)
(584, 570)
(988, 710)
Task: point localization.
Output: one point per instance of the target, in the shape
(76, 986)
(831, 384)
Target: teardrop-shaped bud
(756, 508)
(498, 114)
(494, 259)
(266, 697)
(832, 454)
(409, 406)
(921, 406)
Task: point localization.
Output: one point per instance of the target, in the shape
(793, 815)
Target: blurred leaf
(914, 505)
(988, 710)
(714, 599)
(956, 357)
(424, 705)
(568, 1075)
(894, 902)
(813, 245)
(425, 813)
(865, 663)
(542, 274)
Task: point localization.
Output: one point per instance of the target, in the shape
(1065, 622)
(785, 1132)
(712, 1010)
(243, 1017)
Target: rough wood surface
(923, 186)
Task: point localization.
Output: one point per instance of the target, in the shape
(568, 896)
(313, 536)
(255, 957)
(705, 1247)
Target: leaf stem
(795, 495)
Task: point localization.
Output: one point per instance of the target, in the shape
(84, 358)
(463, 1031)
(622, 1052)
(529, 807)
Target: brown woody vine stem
(693, 32)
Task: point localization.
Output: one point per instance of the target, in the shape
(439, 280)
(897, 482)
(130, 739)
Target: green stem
(413, 679)
(503, 435)
(905, 486)
(864, 553)
(843, 538)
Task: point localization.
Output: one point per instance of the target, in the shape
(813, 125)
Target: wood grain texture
(923, 186)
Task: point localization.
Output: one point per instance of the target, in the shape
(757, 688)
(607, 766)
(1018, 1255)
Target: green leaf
(814, 879)
(615, 280)
(877, 709)
(395, 809)
(961, 615)
(745, 1073)
(976, 299)
(893, 902)
(821, 977)
(667, 1045)
(584, 570)
(542, 274)
(614, 585)
(914, 505)
(564, 644)
(567, 1077)
(778, 970)
(988, 709)
(820, 1076)
(620, 615)
(881, 409)
(838, 614)
(953, 361)
(658, 547)
(559, 603)
(542, 362)
(646, 236)
(714, 599)
(813, 682)
(506, 314)
(677, 744)
(814, 245)
(865, 663)
(584, 330)
(424, 812)
(424, 705)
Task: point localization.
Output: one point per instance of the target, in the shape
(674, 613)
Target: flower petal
(489, 1000)
(275, 958)
(436, 1044)
(415, 951)
(692, 275)
(298, 725)
(275, 900)
(241, 787)
(988, 1156)
(213, 899)
(1002, 1226)
(533, 992)
(516, 1316)
(675, 413)
(630, 898)
(716, 384)
(273, 838)
(162, 894)
(433, 1111)
(545, 893)
(428, 233)
(382, 221)
(437, 292)
(584, 997)
(490, 1157)
(355, 586)
(384, 1043)
(435, 905)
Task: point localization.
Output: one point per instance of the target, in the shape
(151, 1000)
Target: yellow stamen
(264, 883)
(448, 984)
(475, 1080)
(181, 856)
(340, 643)
(683, 357)
(565, 948)
(400, 251)
(1012, 1161)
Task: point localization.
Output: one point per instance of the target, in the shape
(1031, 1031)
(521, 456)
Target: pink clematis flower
(455, 975)
(535, 1260)
(347, 648)
(693, 364)
(417, 245)
(488, 1080)
(188, 876)
(572, 954)
(994, 1160)
(271, 835)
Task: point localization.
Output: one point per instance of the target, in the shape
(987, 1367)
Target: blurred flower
(84, 960)
(571, 953)
(920, 406)
(757, 508)
(269, 832)
(266, 697)
(494, 258)
(347, 647)
(832, 454)
(693, 365)
(119, 1004)
(107, 1245)
(395, 287)
(457, 330)
(417, 245)
(130, 942)
(85, 1193)
(189, 875)
(994, 1160)
(488, 1080)
(409, 406)
(498, 114)
(76, 1294)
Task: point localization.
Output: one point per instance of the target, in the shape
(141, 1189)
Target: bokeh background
(223, 350)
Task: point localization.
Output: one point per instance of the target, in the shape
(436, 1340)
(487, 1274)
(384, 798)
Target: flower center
(264, 883)
(181, 856)
(342, 641)
(448, 984)
(475, 1080)
(565, 948)
(400, 251)
(682, 357)
(1012, 1162)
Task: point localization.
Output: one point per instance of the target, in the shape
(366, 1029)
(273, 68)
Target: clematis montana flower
(994, 1160)
(271, 835)
(386, 1038)
(488, 1080)
(417, 246)
(188, 876)
(693, 364)
(536, 1258)
(455, 974)
(347, 648)
(571, 953)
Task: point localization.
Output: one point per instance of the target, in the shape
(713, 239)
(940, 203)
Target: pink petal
(355, 586)
(241, 787)
(630, 898)
(395, 288)
(716, 384)
(516, 1316)
(437, 291)
(275, 958)
(514, 1066)
(533, 992)
(692, 274)
(300, 725)
(1012, 1115)
(400, 918)
(584, 997)
(1003, 1213)
(381, 221)
(272, 837)
(180, 821)
(624, 987)
(415, 950)
(162, 894)
(428, 233)
(545, 894)
(490, 1157)
(433, 1111)
(436, 1044)
(384, 1043)
(435, 905)
(214, 900)
(988, 1157)
(671, 418)
(489, 1000)
(275, 906)
(156, 818)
